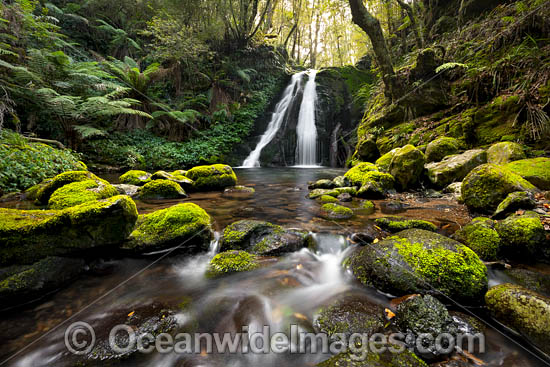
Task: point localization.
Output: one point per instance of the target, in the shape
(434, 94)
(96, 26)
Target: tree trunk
(414, 25)
(371, 26)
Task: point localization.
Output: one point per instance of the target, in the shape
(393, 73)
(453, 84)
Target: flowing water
(285, 291)
(306, 150)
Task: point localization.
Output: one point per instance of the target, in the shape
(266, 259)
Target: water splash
(306, 151)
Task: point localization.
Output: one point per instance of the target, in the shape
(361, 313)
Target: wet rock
(328, 199)
(332, 192)
(455, 167)
(239, 191)
(367, 206)
(453, 188)
(230, 262)
(186, 225)
(536, 171)
(535, 281)
(523, 235)
(184, 182)
(341, 181)
(81, 192)
(372, 359)
(505, 152)
(23, 283)
(515, 201)
(214, 177)
(522, 310)
(29, 235)
(397, 224)
(345, 198)
(368, 235)
(394, 206)
(350, 315)
(134, 177)
(336, 212)
(441, 148)
(480, 235)
(425, 315)
(124, 189)
(262, 238)
(322, 184)
(407, 166)
(418, 261)
(488, 185)
(161, 189)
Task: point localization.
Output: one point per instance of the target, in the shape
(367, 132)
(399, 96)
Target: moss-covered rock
(367, 206)
(357, 176)
(488, 185)
(418, 261)
(523, 235)
(376, 185)
(523, 310)
(480, 235)
(407, 166)
(183, 181)
(125, 189)
(366, 149)
(336, 212)
(328, 199)
(77, 193)
(135, 177)
(23, 283)
(383, 163)
(440, 148)
(161, 189)
(454, 168)
(239, 191)
(505, 152)
(27, 236)
(262, 238)
(397, 224)
(317, 193)
(515, 201)
(535, 281)
(231, 262)
(341, 181)
(535, 170)
(322, 184)
(215, 177)
(372, 359)
(44, 193)
(185, 225)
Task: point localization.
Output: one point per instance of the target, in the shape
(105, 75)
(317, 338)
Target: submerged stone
(455, 167)
(214, 177)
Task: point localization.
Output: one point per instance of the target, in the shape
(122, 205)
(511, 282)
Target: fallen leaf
(300, 316)
(375, 240)
(520, 212)
(389, 314)
(131, 313)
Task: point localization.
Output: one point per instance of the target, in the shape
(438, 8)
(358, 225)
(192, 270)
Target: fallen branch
(46, 141)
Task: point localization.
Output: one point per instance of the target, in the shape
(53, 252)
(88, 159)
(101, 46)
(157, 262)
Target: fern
(87, 131)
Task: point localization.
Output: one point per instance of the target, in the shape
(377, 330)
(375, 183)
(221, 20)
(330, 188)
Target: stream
(285, 291)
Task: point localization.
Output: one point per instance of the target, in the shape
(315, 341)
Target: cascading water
(306, 151)
(281, 111)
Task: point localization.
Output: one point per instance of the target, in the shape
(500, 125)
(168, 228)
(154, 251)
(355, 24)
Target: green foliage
(450, 66)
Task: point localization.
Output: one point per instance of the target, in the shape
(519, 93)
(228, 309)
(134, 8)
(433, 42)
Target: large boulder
(488, 185)
(185, 225)
(231, 262)
(366, 149)
(383, 163)
(481, 236)
(29, 235)
(262, 238)
(184, 182)
(440, 148)
(505, 152)
(515, 201)
(376, 185)
(523, 235)
(407, 166)
(418, 261)
(454, 168)
(45, 191)
(214, 177)
(161, 189)
(77, 193)
(357, 175)
(536, 171)
(523, 310)
(135, 177)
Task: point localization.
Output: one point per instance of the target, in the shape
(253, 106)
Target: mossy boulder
(231, 262)
(454, 168)
(77, 193)
(505, 152)
(523, 310)
(125, 189)
(523, 235)
(161, 189)
(515, 201)
(322, 184)
(336, 212)
(376, 185)
(535, 281)
(44, 193)
(24, 283)
(239, 191)
(357, 175)
(262, 238)
(397, 224)
(317, 193)
(345, 198)
(536, 171)
(367, 206)
(135, 177)
(488, 185)
(349, 315)
(388, 358)
(366, 149)
(29, 235)
(214, 177)
(440, 148)
(383, 163)
(341, 181)
(183, 181)
(419, 261)
(328, 199)
(185, 225)
(407, 166)
(481, 236)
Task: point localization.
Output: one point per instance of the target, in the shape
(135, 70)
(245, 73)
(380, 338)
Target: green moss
(480, 235)
(440, 148)
(162, 189)
(328, 199)
(358, 174)
(496, 119)
(335, 211)
(505, 152)
(407, 166)
(80, 192)
(231, 262)
(215, 177)
(236, 236)
(134, 177)
(396, 224)
(522, 234)
(535, 170)
(180, 172)
(44, 193)
(383, 163)
(368, 206)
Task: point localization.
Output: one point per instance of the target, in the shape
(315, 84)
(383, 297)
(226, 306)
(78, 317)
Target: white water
(253, 160)
(306, 151)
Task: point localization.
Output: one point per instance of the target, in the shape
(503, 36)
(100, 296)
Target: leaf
(389, 314)
(131, 313)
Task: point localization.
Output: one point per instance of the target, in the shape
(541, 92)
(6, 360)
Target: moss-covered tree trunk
(414, 24)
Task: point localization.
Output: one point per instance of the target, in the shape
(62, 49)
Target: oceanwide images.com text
(80, 339)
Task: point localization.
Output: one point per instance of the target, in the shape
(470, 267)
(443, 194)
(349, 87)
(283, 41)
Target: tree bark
(414, 24)
(368, 23)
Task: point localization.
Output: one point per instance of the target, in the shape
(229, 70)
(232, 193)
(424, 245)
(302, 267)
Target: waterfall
(253, 160)
(306, 151)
